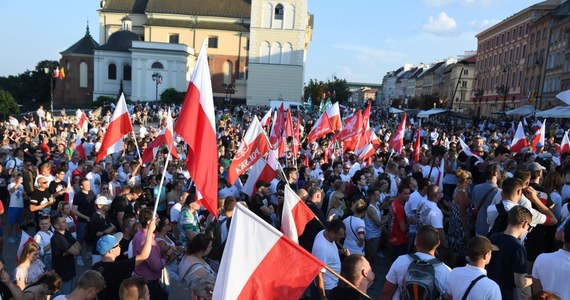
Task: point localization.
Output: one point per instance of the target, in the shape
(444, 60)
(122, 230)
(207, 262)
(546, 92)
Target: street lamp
(157, 78)
(503, 92)
(230, 89)
(47, 70)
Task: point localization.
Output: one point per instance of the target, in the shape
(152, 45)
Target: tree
(8, 105)
(337, 90)
(171, 95)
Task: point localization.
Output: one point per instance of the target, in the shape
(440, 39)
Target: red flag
(353, 126)
(276, 134)
(296, 138)
(539, 135)
(196, 125)
(24, 240)
(416, 153)
(81, 118)
(266, 120)
(468, 152)
(288, 125)
(165, 136)
(253, 267)
(565, 145)
(519, 140)
(56, 73)
(328, 122)
(366, 115)
(254, 145)
(333, 113)
(397, 139)
(79, 147)
(119, 126)
(261, 170)
(296, 215)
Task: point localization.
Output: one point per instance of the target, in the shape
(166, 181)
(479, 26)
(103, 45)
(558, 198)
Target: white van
(275, 104)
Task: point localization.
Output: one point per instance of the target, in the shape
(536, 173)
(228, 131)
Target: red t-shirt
(397, 214)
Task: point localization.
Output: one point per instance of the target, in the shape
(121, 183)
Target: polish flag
(539, 135)
(333, 113)
(266, 120)
(253, 267)
(276, 134)
(370, 148)
(366, 115)
(439, 181)
(397, 139)
(81, 118)
(149, 154)
(296, 215)
(468, 151)
(519, 140)
(196, 125)
(79, 147)
(565, 145)
(416, 153)
(352, 126)
(119, 126)
(296, 138)
(261, 170)
(288, 125)
(56, 73)
(24, 240)
(328, 122)
(254, 145)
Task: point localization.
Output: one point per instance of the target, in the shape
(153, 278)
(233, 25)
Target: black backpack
(419, 283)
(501, 221)
(214, 231)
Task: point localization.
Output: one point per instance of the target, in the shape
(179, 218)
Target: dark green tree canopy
(337, 89)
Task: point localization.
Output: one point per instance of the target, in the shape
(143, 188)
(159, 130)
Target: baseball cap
(102, 200)
(479, 246)
(539, 145)
(108, 242)
(534, 166)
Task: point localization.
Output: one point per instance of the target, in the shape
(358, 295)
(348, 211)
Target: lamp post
(503, 92)
(157, 78)
(47, 70)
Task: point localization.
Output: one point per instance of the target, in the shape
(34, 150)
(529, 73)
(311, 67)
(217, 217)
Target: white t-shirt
(354, 227)
(411, 206)
(327, 252)
(429, 214)
(492, 213)
(16, 199)
(460, 278)
(552, 270)
(397, 273)
(175, 212)
(95, 181)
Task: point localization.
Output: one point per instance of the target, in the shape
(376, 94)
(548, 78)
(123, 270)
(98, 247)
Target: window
(213, 42)
(112, 72)
(523, 50)
(173, 38)
(463, 84)
(544, 33)
(157, 65)
(279, 12)
(465, 72)
(127, 73)
(83, 74)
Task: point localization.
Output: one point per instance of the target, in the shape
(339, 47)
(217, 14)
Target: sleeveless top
(372, 231)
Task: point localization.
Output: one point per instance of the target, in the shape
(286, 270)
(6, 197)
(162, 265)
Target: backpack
(501, 221)
(419, 282)
(214, 231)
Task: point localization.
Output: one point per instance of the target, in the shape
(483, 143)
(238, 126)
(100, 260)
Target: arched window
(83, 74)
(264, 52)
(228, 65)
(127, 73)
(266, 15)
(157, 65)
(275, 53)
(112, 72)
(289, 21)
(278, 12)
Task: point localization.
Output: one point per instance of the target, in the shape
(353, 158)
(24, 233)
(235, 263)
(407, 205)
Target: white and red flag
(254, 145)
(539, 135)
(296, 215)
(397, 139)
(296, 143)
(196, 125)
(565, 145)
(468, 151)
(276, 134)
(439, 180)
(519, 140)
(288, 131)
(79, 147)
(252, 266)
(417, 142)
(24, 240)
(166, 136)
(328, 122)
(119, 126)
(353, 127)
(81, 118)
(266, 120)
(265, 170)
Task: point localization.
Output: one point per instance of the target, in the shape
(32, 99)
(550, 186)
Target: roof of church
(84, 46)
(200, 24)
(216, 8)
(121, 40)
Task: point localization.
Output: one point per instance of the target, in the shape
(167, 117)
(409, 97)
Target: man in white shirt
(324, 248)
(472, 279)
(427, 240)
(550, 270)
(94, 177)
(411, 207)
(429, 214)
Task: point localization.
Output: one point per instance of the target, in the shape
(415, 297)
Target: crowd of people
(490, 224)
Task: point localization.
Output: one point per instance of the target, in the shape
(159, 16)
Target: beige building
(242, 66)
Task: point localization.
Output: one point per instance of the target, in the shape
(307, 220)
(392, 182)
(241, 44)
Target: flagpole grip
(348, 283)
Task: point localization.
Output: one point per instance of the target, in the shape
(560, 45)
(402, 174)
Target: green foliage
(7, 105)
(171, 95)
(102, 99)
(337, 89)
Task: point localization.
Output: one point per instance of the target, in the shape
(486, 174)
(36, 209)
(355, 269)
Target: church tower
(280, 33)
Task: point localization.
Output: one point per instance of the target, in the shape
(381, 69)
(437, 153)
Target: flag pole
(161, 182)
(137, 145)
(348, 283)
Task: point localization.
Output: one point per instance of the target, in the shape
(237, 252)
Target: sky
(359, 40)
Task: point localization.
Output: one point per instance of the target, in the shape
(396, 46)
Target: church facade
(256, 49)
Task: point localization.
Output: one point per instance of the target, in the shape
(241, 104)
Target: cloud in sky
(482, 25)
(442, 24)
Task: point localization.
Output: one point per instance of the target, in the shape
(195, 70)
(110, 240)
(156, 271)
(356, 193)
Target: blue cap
(108, 242)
